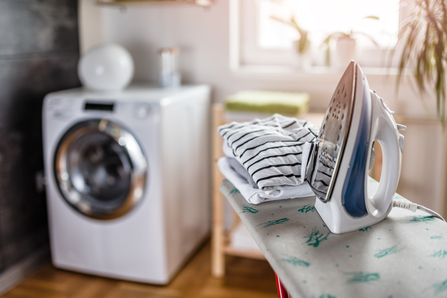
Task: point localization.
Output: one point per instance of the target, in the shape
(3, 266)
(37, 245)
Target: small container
(169, 76)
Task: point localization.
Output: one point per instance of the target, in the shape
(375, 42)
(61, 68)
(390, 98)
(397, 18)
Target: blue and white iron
(340, 159)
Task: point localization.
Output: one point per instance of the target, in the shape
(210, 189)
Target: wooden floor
(245, 278)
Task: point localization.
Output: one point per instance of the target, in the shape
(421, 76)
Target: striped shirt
(270, 149)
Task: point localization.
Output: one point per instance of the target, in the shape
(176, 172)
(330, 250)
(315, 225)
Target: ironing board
(403, 256)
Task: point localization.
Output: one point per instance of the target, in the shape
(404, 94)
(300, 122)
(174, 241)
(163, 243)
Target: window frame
(271, 70)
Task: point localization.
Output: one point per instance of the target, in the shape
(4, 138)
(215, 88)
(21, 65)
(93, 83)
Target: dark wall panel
(38, 54)
(38, 26)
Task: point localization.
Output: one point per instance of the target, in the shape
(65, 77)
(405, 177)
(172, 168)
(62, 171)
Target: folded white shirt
(257, 196)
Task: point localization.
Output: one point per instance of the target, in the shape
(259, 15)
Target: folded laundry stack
(264, 158)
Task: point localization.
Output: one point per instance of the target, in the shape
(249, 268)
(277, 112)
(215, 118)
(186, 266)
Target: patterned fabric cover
(403, 256)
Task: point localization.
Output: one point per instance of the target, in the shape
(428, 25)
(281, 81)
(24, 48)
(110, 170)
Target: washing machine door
(100, 169)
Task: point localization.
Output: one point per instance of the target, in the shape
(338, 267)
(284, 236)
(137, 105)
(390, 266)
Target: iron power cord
(413, 207)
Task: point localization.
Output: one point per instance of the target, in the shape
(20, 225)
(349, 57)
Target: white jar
(169, 76)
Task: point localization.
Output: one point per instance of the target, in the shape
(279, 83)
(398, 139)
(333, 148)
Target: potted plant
(302, 44)
(423, 39)
(345, 45)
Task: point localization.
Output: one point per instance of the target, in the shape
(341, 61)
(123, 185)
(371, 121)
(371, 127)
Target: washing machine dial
(144, 111)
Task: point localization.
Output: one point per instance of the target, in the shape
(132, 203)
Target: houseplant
(423, 40)
(345, 44)
(302, 44)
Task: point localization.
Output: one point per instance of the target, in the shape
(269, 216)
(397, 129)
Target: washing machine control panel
(66, 108)
(60, 107)
(93, 106)
(143, 111)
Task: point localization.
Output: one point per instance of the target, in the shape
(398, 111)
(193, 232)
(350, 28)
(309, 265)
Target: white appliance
(127, 179)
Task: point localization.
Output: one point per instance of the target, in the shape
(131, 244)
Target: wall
(38, 54)
(90, 29)
(203, 36)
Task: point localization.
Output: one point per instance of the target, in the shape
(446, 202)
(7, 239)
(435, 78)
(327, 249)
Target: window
(263, 40)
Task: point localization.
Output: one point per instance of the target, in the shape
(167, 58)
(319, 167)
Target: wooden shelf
(203, 3)
(221, 245)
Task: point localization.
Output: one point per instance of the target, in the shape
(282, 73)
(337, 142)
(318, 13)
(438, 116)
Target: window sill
(308, 74)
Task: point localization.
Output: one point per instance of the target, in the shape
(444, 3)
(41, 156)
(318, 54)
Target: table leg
(282, 292)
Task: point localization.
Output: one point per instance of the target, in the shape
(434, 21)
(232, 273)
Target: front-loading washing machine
(127, 179)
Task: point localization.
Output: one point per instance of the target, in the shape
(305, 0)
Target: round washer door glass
(100, 169)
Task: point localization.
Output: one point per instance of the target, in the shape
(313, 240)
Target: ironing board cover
(403, 256)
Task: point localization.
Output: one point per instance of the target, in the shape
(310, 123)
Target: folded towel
(291, 103)
(270, 149)
(257, 196)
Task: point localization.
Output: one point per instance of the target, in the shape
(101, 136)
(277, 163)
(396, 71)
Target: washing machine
(127, 179)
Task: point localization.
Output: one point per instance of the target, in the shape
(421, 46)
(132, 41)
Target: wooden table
(403, 256)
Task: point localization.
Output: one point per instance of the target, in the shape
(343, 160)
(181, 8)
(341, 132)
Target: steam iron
(340, 159)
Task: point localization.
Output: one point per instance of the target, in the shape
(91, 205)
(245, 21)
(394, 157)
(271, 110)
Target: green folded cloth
(289, 103)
